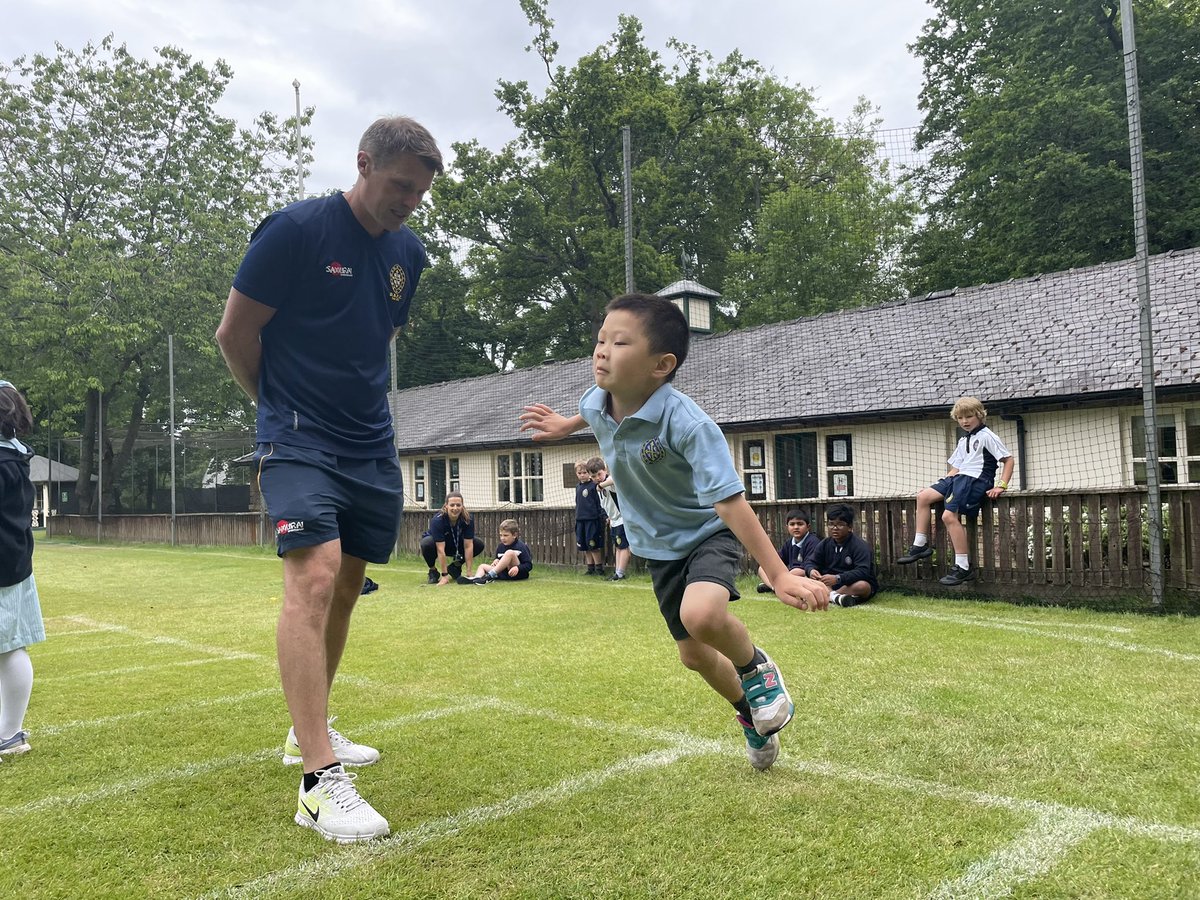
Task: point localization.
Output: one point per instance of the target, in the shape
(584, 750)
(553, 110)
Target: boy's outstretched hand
(546, 424)
(803, 593)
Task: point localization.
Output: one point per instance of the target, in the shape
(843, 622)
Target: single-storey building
(856, 403)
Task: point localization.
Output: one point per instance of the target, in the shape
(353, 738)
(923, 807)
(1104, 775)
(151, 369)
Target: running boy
(794, 549)
(589, 520)
(972, 471)
(684, 509)
(844, 562)
(612, 508)
(513, 560)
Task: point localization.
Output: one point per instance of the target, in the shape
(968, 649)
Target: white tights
(16, 684)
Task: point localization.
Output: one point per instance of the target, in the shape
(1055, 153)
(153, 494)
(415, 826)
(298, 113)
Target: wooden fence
(1047, 546)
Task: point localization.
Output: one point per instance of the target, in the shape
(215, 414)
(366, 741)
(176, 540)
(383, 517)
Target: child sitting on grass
(513, 560)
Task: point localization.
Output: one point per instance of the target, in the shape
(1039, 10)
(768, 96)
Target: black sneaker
(369, 586)
(914, 553)
(958, 576)
(764, 588)
(433, 577)
(463, 579)
(481, 580)
(616, 576)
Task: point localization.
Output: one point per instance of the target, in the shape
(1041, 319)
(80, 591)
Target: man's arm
(791, 589)
(547, 425)
(238, 338)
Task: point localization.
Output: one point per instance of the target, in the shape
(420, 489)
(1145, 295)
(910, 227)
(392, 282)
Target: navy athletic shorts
(716, 560)
(589, 534)
(963, 493)
(314, 497)
(617, 533)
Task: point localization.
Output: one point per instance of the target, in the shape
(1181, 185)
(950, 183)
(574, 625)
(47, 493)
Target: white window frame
(520, 486)
(1185, 461)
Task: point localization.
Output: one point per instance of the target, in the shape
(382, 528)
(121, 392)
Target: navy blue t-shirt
(587, 502)
(338, 294)
(455, 535)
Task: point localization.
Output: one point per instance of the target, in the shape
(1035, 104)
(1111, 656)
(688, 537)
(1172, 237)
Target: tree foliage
(125, 207)
(715, 146)
(1025, 117)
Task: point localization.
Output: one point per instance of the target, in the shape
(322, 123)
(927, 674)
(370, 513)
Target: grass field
(541, 740)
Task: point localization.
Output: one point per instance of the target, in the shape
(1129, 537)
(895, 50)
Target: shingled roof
(1069, 335)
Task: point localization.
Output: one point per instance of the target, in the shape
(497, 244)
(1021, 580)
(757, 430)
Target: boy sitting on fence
(972, 472)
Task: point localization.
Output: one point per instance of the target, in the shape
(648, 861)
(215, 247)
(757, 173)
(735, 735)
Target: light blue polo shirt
(669, 463)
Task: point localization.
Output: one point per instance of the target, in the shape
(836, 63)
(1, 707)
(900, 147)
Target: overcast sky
(440, 61)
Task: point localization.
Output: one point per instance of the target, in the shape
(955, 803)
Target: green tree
(542, 222)
(125, 204)
(1026, 126)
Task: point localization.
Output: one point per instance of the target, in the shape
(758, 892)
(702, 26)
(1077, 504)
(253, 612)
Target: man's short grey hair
(393, 136)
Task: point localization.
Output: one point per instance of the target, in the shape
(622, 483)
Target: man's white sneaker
(335, 810)
(347, 752)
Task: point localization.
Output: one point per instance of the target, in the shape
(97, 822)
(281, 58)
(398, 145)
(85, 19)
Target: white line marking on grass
(203, 768)
(132, 670)
(1043, 632)
(1128, 824)
(170, 641)
(51, 634)
(329, 866)
(104, 721)
(54, 650)
(1035, 851)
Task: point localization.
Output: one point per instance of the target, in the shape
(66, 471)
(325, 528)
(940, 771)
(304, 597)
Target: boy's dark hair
(840, 512)
(662, 321)
(797, 514)
(595, 464)
(15, 418)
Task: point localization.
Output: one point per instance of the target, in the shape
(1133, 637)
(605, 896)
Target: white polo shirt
(670, 463)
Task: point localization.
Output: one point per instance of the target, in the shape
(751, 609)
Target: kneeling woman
(450, 545)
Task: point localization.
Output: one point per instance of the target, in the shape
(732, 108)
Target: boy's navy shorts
(963, 493)
(314, 497)
(617, 533)
(715, 560)
(589, 534)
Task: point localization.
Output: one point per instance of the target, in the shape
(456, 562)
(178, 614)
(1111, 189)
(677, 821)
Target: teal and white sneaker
(18, 743)
(761, 751)
(770, 703)
(335, 810)
(347, 752)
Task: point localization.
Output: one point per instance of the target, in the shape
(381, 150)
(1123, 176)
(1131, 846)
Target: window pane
(1194, 471)
(1170, 473)
(533, 464)
(516, 486)
(516, 464)
(504, 492)
(1166, 438)
(1139, 473)
(502, 465)
(534, 488)
(1137, 433)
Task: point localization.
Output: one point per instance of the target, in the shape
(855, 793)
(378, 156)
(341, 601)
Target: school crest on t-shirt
(653, 450)
(398, 280)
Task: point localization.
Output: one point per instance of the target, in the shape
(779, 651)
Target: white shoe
(761, 751)
(335, 810)
(18, 743)
(347, 752)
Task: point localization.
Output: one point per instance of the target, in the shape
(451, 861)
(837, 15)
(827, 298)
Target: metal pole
(299, 145)
(1149, 409)
(628, 209)
(171, 381)
(100, 465)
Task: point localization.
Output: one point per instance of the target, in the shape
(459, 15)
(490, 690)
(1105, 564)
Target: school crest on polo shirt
(653, 450)
(398, 280)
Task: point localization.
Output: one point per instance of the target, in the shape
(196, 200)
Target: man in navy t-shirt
(324, 286)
